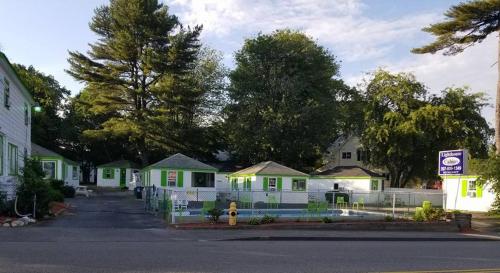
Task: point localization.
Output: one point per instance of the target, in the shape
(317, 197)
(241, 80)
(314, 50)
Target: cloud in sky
(348, 28)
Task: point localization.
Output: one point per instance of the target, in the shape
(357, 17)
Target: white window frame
(275, 186)
(2, 150)
(346, 155)
(172, 183)
(47, 176)
(74, 172)
(298, 181)
(472, 189)
(13, 158)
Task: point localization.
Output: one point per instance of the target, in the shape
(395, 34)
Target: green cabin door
(123, 177)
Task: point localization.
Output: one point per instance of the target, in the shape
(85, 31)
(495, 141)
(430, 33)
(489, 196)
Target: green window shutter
(248, 182)
(163, 178)
(479, 190)
(180, 179)
(464, 188)
(103, 173)
(265, 184)
(280, 183)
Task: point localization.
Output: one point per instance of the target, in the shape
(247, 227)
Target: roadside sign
(453, 162)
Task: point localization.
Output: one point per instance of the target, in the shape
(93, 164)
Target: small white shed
(116, 174)
(463, 192)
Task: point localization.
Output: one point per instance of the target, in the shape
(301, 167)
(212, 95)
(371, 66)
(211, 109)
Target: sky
(363, 35)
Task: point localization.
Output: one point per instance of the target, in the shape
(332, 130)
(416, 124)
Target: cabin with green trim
(270, 182)
(465, 192)
(117, 174)
(56, 166)
(181, 173)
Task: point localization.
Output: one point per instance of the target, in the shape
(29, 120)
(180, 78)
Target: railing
(190, 205)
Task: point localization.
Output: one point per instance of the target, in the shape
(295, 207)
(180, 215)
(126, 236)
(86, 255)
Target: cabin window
(108, 173)
(202, 180)
(1, 155)
(346, 155)
(74, 173)
(6, 93)
(272, 183)
(172, 178)
(13, 159)
(374, 186)
(472, 189)
(298, 184)
(247, 185)
(49, 168)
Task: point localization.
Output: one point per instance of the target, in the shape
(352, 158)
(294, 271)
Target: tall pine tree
(467, 24)
(140, 71)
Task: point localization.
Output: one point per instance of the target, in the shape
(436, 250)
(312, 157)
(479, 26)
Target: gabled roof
(269, 168)
(120, 164)
(180, 161)
(227, 166)
(348, 171)
(37, 150)
(10, 69)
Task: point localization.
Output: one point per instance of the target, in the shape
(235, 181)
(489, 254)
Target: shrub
(6, 206)
(389, 218)
(215, 214)
(32, 183)
(57, 184)
(68, 192)
(254, 221)
(419, 214)
(267, 219)
(327, 220)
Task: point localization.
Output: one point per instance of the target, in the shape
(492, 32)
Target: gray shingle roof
(180, 161)
(354, 171)
(120, 164)
(37, 150)
(269, 168)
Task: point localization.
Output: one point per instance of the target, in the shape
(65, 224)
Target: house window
(74, 173)
(374, 185)
(49, 168)
(346, 155)
(108, 173)
(13, 159)
(1, 155)
(6, 93)
(202, 180)
(172, 178)
(472, 189)
(272, 183)
(298, 184)
(247, 185)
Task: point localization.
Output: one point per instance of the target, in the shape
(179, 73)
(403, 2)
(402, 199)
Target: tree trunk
(497, 104)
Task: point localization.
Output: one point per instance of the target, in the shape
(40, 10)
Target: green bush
(215, 214)
(327, 220)
(419, 214)
(267, 219)
(389, 218)
(57, 184)
(68, 192)
(32, 183)
(254, 221)
(6, 206)
(428, 213)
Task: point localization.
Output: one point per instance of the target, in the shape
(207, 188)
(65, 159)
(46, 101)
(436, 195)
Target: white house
(362, 183)
(116, 174)
(15, 125)
(56, 166)
(463, 192)
(270, 182)
(183, 174)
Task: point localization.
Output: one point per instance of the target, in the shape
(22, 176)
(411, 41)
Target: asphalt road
(110, 233)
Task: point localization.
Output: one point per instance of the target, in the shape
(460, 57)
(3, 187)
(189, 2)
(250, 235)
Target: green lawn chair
(272, 202)
(245, 202)
(340, 202)
(360, 202)
(207, 206)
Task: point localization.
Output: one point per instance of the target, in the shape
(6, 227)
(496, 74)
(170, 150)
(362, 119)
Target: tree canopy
(283, 100)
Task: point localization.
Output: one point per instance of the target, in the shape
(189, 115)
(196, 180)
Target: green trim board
(343, 177)
(459, 176)
(263, 175)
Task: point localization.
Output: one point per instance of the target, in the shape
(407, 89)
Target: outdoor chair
(361, 201)
(340, 202)
(272, 202)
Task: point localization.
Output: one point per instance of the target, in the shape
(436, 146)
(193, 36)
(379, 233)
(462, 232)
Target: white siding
(12, 123)
(455, 200)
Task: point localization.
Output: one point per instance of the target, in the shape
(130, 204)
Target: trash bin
(138, 192)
